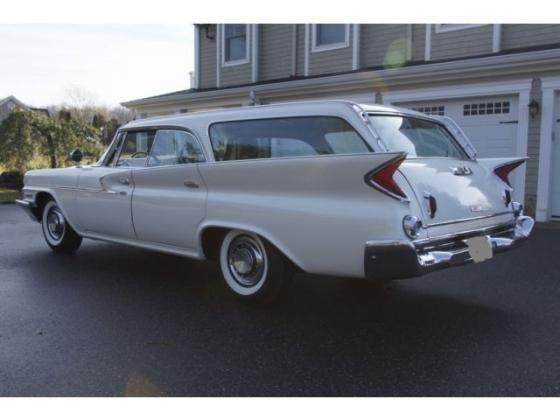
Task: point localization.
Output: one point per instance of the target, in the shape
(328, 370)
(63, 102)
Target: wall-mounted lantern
(209, 33)
(534, 108)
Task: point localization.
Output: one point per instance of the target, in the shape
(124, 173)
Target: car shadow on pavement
(328, 336)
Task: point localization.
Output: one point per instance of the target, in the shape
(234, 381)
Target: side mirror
(76, 156)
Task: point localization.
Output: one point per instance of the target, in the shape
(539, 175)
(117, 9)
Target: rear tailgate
(456, 194)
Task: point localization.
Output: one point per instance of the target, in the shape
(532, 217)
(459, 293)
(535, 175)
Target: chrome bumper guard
(386, 260)
(29, 208)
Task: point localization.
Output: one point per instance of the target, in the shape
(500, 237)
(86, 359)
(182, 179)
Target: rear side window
(284, 137)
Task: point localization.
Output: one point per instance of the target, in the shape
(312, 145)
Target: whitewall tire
(252, 268)
(58, 233)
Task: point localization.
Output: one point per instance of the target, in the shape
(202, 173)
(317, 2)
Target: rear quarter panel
(317, 210)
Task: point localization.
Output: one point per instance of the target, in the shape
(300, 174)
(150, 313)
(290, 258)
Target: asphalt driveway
(113, 320)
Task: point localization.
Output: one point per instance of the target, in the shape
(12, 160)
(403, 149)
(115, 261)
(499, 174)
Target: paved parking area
(113, 320)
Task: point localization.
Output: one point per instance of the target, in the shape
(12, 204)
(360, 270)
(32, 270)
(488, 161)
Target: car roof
(325, 107)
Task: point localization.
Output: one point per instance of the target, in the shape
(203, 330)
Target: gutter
(377, 79)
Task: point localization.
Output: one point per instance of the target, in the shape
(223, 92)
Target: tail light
(503, 171)
(382, 178)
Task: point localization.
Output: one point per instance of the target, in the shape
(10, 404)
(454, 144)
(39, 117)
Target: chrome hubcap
(246, 261)
(55, 223)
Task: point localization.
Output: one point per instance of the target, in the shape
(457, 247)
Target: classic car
(326, 187)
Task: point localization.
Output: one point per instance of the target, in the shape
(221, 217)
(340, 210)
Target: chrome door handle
(190, 184)
(124, 181)
(431, 203)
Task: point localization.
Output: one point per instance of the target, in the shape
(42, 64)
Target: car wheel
(57, 231)
(253, 269)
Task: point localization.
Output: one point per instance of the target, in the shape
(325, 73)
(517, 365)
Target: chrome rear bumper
(388, 260)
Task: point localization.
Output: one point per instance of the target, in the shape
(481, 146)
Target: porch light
(533, 108)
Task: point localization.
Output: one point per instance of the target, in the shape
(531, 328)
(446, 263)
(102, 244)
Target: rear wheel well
(212, 238)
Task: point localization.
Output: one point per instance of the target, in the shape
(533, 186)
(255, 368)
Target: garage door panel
(555, 167)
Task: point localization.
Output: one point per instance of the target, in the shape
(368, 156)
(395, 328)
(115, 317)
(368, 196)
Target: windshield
(416, 136)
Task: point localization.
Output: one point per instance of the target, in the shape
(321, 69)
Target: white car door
(103, 200)
(169, 196)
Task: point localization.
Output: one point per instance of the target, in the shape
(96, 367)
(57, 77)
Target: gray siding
(533, 143)
(520, 36)
(330, 61)
(462, 43)
(207, 57)
(379, 45)
(382, 45)
(275, 51)
(418, 42)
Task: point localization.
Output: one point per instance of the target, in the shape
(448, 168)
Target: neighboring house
(501, 83)
(8, 104)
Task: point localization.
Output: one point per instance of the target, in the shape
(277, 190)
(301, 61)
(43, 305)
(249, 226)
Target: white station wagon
(329, 187)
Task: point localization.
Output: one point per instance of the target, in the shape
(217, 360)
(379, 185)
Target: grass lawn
(9, 195)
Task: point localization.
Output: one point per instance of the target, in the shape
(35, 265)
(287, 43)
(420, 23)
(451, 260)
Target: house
(501, 83)
(8, 104)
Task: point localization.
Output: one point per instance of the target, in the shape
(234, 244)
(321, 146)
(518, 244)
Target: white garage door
(489, 122)
(555, 165)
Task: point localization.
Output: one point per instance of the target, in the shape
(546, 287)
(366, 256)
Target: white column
(255, 53)
(306, 52)
(196, 77)
(522, 141)
(496, 38)
(355, 46)
(218, 53)
(545, 155)
(428, 46)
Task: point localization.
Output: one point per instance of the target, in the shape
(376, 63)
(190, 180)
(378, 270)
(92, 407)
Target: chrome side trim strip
(95, 190)
(450, 222)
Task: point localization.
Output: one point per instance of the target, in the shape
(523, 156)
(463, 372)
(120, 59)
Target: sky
(47, 64)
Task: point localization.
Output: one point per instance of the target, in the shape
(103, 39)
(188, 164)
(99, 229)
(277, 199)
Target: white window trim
(442, 28)
(195, 78)
(247, 58)
(319, 48)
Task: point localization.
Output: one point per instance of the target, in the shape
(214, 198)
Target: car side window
(284, 137)
(175, 147)
(134, 151)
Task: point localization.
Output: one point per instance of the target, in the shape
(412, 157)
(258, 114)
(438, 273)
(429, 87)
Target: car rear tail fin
(381, 178)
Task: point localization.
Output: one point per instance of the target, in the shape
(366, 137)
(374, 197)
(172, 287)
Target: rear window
(415, 136)
(284, 137)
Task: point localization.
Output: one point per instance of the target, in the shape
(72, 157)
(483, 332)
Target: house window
(330, 37)
(486, 108)
(235, 44)
(431, 110)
